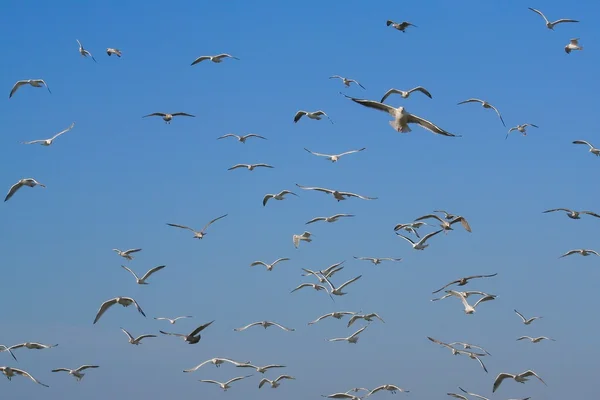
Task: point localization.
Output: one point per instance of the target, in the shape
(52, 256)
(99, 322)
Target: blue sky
(116, 179)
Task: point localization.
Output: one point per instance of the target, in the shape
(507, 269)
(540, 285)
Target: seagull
(336, 194)
(346, 81)
(32, 346)
(264, 324)
(573, 214)
(262, 370)
(583, 252)
(4, 348)
(468, 308)
(198, 234)
(400, 26)
(468, 346)
(366, 317)
(593, 150)
(242, 139)
(484, 104)
(411, 227)
(305, 236)
(521, 378)
(466, 294)
(48, 142)
(463, 281)
(22, 182)
(274, 383)
(350, 339)
(335, 314)
(124, 301)
(338, 291)
(312, 115)
(32, 82)
(333, 218)
(127, 253)
(520, 128)
(172, 321)
(472, 394)
(536, 339)
(193, 337)
(110, 51)
(405, 94)
(168, 117)
(137, 340)
(250, 167)
(474, 356)
(527, 321)
(217, 363)
(84, 52)
(378, 260)
(225, 385)
(573, 45)
(447, 215)
(216, 59)
(447, 225)
(10, 372)
(356, 390)
(312, 285)
(334, 157)
(550, 25)
(402, 117)
(420, 245)
(269, 266)
(391, 388)
(328, 272)
(278, 196)
(343, 396)
(76, 372)
(142, 280)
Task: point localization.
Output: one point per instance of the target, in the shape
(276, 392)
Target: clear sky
(116, 179)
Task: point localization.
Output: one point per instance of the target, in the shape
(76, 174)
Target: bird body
(573, 45)
(305, 237)
(84, 52)
(312, 115)
(399, 26)
(110, 51)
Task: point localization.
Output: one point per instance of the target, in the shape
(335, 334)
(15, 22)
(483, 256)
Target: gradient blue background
(116, 179)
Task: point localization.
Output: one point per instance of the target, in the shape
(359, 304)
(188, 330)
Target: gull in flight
(470, 394)
(264, 324)
(225, 385)
(573, 45)
(10, 372)
(333, 218)
(84, 52)
(405, 94)
(527, 321)
(350, 339)
(278, 196)
(334, 157)
(447, 215)
(536, 339)
(137, 340)
(338, 291)
(305, 236)
(312, 115)
(520, 128)
(343, 396)
(274, 383)
(127, 253)
(573, 214)
(22, 182)
(241, 139)
(411, 227)
(217, 363)
(262, 370)
(346, 81)
(420, 245)
(269, 266)
(378, 260)
(336, 194)
(32, 82)
(468, 308)
(124, 301)
(4, 348)
(390, 388)
(110, 51)
(250, 167)
(327, 272)
(583, 252)
(198, 234)
(48, 142)
(551, 25)
(466, 294)
(172, 321)
(216, 59)
(76, 372)
(399, 26)
(142, 280)
(447, 225)
(593, 150)
(193, 337)
(456, 352)
(484, 104)
(335, 314)
(312, 285)
(357, 389)
(521, 378)
(31, 346)
(366, 317)
(168, 117)
(463, 281)
(402, 117)
(468, 346)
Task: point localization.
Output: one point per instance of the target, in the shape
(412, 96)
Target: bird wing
(531, 373)
(211, 381)
(593, 252)
(540, 13)
(430, 216)
(127, 333)
(156, 114)
(132, 273)
(136, 305)
(216, 219)
(182, 114)
(430, 126)
(560, 21)
(197, 366)
(315, 220)
(582, 142)
(317, 154)
(458, 396)
(501, 376)
(259, 263)
(228, 135)
(238, 166)
(131, 251)
(358, 332)
(357, 195)
(374, 104)
(237, 378)
(422, 90)
(350, 152)
(520, 315)
(405, 238)
(105, 306)
(273, 366)
(16, 86)
(471, 101)
(184, 316)
(200, 328)
(348, 282)
(568, 253)
(484, 368)
(28, 375)
(389, 92)
(481, 276)
(330, 191)
(429, 235)
(299, 115)
(263, 381)
(445, 286)
(34, 141)
(557, 209)
(484, 298)
(280, 377)
(593, 214)
(463, 222)
(320, 318)
(200, 59)
(173, 334)
(153, 270)
(354, 318)
(64, 131)
(335, 76)
(357, 82)
(280, 260)
(181, 226)
(525, 337)
(144, 336)
(473, 394)
(575, 41)
(377, 389)
(282, 327)
(84, 367)
(251, 325)
(225, 55)
(254, 135)
(61, 369)
(13, 190)
(263, 165)
(499, 115)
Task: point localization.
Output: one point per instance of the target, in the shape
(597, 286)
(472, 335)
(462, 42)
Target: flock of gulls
(319, 280)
